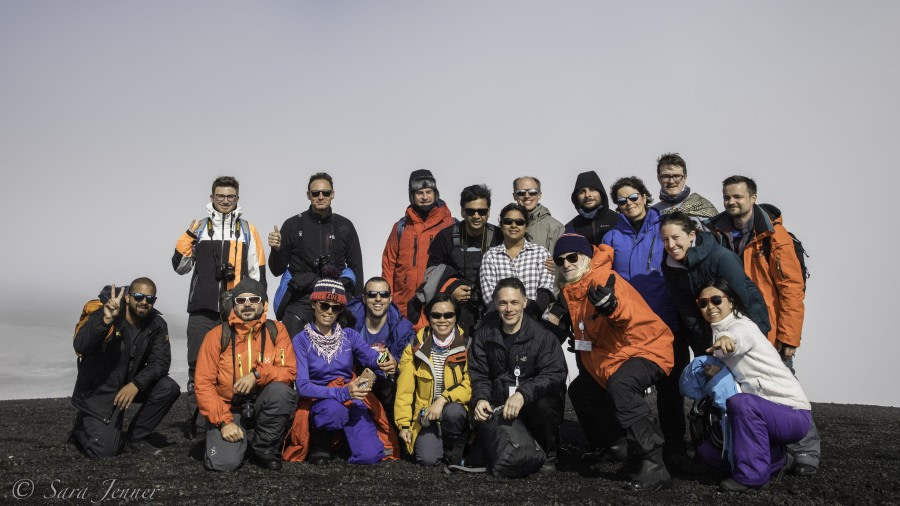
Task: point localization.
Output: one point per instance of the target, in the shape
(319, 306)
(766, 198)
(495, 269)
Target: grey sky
(116, 116)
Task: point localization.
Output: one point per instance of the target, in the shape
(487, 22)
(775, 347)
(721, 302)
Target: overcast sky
(116, 116)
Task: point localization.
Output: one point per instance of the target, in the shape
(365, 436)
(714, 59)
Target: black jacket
(109, 364)
(536, 351)
(603, 221)
(707, 261)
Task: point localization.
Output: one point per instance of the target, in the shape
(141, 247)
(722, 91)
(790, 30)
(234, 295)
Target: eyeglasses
(222, 198)
(254, 299)
(442, 316)
(670, 177)
(326, 307)
(531, 192)
(512, 221)
(470, 211)
(715, 299)
(316, 193)
(151, 299)
(634, 197)
(383, 293)
(571, 258)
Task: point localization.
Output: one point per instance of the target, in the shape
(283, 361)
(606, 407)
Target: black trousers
(543, 417)
(199, 324)
(669, 400)
(605, 413)
(99, 439)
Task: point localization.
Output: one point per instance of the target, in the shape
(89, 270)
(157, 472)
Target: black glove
(604, 298)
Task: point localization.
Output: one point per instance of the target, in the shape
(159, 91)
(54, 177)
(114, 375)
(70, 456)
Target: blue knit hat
(572, 243)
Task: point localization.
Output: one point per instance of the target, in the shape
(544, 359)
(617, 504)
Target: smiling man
(595, 218)
(674, 193)
(543, 229)
(309, 244)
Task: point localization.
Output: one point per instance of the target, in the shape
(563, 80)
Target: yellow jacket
(415, 383)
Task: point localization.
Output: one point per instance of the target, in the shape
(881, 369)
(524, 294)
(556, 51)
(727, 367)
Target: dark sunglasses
(531, 192)
(383, 293)
(634, 197)
(715, 299)
(254, 299)
(316, 193)
(472, 211)
(326, 307)
(571, 258)
(151, 299)
(446, 316)
(510, 221)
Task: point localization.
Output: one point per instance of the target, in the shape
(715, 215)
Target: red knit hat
(330, 290)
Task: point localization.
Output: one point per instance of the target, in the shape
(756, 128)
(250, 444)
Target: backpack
(510, 450)
(799, 250)
(705, 423)
(90, 307)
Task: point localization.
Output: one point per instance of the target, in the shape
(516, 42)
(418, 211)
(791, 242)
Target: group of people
(472, 335)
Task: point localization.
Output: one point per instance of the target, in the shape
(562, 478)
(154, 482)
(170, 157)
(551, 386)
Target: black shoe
(319, 459)
(268, 461)
(730, 485)
(71, 445)
(549, 465)
(454, 468)
(803, 470)
(617, 452)
(143, 447)
(789, 461)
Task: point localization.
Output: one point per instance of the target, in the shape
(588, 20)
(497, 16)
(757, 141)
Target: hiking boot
(268, 461)
(617, 452)
(647, 439)
(458, 468)
(143, 447)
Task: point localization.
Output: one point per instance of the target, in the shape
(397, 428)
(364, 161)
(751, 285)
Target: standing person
(517, 366)
(433, 387)
(543, 229)
(385, 330)
(693, 259)
(458, 249)
(518, 258)
(245, 370)
(308, 244)
(326, 353)
(675, 194)
(406, 252)
(771, 411)
(125, 357)
(219, 250)
(625, 348)
(594, 218)
(638, 253)
(757, 234)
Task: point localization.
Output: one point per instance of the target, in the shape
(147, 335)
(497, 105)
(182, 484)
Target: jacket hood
(590, 179)
(435, 217)
(702, 248)
(218, 217)
(540, 212)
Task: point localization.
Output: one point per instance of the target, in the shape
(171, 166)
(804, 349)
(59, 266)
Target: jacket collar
(242, 329)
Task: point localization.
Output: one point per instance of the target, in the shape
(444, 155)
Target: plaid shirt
(528, 266)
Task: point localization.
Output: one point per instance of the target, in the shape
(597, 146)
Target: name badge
(512, 390)
(582, 345)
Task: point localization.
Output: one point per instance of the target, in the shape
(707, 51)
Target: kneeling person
(125, 357)
(243, 381)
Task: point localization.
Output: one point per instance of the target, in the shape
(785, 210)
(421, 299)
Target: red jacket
(214, 377)
(632, 330)
(405, 258)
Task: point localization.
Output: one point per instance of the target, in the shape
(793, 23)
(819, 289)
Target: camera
(225, 272)
(248, 413)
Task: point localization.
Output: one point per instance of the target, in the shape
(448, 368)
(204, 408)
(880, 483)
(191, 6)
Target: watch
(255, 373)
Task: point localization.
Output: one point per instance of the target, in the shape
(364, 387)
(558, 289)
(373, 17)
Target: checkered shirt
(528, 266)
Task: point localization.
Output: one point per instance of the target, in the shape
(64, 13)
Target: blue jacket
(638, 257)
(695, 385)
(400, 330)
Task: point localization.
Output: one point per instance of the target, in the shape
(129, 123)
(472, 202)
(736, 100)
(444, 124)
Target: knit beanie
(422, 178)
(572, 243)
(330, 290)
(250, 285)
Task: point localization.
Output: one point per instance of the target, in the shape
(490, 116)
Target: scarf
(446, 342)
(326, 347)
(589, 215)
(677, 199)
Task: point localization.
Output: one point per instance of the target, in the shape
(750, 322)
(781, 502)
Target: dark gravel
(861, 446)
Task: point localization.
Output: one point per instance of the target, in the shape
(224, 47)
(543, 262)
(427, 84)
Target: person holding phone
(326, 353)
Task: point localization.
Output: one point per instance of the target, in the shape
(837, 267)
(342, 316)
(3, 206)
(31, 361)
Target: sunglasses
(511, 221)
(383, 293)
(715, 299)
(634, 197)
(442, 316)
(151, 299)
(326, 307)
(470, 211)
(316, 193)
(531, 192)
(254, 299)
(571, 258)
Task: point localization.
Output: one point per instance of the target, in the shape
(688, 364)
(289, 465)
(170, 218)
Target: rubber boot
(319, 446)
(647, 439)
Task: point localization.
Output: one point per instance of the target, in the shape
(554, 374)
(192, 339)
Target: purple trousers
(358, 427)
(761, 428)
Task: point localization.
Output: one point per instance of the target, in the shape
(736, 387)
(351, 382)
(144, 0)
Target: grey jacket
(544, 229)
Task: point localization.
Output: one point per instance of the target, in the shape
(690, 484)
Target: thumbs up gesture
(275, 239)
(604, 298)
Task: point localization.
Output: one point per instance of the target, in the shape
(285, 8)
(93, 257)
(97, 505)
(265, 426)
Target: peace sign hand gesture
(113, 306)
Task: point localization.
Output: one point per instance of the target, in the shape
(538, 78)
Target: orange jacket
(405, 258)
(215, 377)
(780, 279)
(632, 330)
